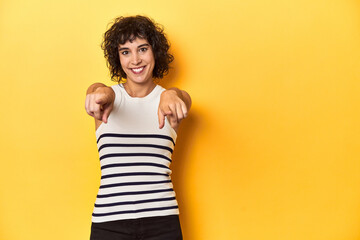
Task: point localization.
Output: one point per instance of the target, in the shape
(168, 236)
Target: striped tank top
(135, 157)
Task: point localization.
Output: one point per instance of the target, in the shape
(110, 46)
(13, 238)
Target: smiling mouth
(138, 70)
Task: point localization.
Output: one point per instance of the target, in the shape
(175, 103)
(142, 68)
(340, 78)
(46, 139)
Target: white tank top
(135, 157)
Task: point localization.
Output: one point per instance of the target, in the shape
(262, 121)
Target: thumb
(101, 100)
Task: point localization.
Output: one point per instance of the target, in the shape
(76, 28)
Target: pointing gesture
(99, 101)
(174, 104)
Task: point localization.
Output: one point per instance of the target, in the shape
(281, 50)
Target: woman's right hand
(99, 101)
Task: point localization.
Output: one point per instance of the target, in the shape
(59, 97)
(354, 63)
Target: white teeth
(137, 70)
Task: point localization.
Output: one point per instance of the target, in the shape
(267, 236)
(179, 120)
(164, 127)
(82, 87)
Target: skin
(137, 61)
(137, 55)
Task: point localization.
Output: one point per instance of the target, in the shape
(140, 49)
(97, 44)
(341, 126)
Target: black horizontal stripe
(135, 136)
(134, 174)
(134, 211)
(135, 202)
(134, 164)
(134, 155)
(135, 145)
(134, 193)
(133, 184)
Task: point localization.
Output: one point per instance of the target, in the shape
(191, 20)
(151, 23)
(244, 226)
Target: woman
(136, 124)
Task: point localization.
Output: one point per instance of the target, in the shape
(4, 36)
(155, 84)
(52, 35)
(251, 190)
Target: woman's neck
(138, 90)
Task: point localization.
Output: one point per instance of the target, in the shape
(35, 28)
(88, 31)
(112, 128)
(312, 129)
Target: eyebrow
(140, 46)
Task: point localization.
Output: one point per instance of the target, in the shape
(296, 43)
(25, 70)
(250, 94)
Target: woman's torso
(135, 158)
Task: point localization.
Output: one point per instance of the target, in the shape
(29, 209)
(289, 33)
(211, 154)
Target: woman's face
(137, 60)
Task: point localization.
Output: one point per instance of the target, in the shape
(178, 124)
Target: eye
(143, 49)
(124, 52)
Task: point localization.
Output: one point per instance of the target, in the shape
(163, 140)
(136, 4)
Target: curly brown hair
(126, 29)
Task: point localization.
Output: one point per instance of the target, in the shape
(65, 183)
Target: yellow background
(269, 151)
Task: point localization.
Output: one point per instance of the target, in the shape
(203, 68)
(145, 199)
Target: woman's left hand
(174, 105)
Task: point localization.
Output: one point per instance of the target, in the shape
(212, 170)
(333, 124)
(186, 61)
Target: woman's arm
(174, 104)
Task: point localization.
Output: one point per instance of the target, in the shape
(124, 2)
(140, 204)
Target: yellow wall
(270, 150)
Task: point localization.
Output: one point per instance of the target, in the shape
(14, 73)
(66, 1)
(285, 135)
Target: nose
(136, 59)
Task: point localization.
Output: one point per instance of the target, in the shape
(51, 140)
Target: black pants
(150, 228)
